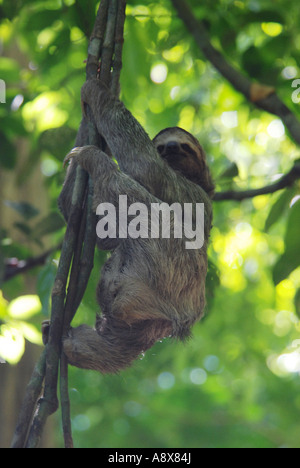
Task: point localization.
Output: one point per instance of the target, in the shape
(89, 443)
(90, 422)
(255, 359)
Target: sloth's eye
(188, 149)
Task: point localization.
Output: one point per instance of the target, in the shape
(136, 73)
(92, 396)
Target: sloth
(150, 288)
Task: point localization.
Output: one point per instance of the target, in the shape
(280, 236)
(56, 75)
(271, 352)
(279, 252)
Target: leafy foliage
(236, 382)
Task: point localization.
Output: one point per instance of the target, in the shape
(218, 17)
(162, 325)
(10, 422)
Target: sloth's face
(184, 154)
(181, 151)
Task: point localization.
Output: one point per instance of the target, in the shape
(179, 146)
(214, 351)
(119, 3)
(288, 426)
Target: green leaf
(297, 302)
(24, 228)
(265, 16)
(279, 208)
(253, 62)
(292, 233)
(58, 141)
(41, 20)
(10, 70)
(8, 153)
(12, 125)
(45, 283)
(290, 260)
(276, 47)
(26, 210)
(230, 172)
(51, 223)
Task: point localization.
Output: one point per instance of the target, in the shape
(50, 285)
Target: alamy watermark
(296, 93)
(2, 92)
(159, 220)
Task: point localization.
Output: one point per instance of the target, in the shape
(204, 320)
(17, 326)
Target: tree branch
(14, 266)
(286, 181)
(262, 96)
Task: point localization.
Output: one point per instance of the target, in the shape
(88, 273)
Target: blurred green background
(236, 382)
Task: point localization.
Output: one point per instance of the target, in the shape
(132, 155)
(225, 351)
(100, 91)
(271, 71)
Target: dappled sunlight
(17, 102)
(15, 330)
(44, 112)
(155, 105)
(284, 322)
(289, 72)
(46, 37)
(176, 54)
(174, 92)
(159, 73)
(272, 29)
(281, 319)
(276, 129)
(186, 118)
(12, 344)
(198, 376)
(259, 152)
(294, 200)
(166, 380)
(230, 119)
(289, 362)
(140, 12)
(286, 363)
(285, 293)
(24, 307)
(238, 254)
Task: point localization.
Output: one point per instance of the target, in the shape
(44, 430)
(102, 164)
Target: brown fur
(149, 288)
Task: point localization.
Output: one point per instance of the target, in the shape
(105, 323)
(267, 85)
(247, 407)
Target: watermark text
(296, 93)
(159, 220)
(2, 92)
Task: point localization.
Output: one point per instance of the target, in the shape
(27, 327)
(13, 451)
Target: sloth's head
(184, 154)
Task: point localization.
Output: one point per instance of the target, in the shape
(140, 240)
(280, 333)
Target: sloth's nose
(172, 146)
